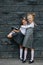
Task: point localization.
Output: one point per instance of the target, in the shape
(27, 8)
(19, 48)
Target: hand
(9, 35)
(16, 30)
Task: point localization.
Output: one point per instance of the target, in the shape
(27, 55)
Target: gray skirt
(28, 39)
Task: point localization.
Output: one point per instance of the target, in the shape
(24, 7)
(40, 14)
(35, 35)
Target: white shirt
(24, 27)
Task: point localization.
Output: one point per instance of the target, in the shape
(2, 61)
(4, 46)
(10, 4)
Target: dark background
(11, 12)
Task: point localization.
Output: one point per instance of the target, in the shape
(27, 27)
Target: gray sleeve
(29, 31)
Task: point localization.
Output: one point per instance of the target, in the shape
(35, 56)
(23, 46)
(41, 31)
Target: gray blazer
(28, 39)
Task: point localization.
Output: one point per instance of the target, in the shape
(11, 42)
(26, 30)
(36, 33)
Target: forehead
(30, 16)
(23, 20)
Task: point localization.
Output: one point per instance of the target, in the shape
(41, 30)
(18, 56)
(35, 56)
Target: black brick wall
(10, 15)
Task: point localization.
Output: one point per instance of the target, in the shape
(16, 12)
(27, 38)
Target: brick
(37, 54)
(11, 12)
(38, 8)
(38, 43)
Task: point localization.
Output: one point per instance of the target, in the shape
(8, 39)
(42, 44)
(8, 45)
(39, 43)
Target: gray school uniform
(28, 39)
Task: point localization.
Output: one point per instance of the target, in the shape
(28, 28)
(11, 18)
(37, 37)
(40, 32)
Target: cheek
(25, 22)
(31, 19)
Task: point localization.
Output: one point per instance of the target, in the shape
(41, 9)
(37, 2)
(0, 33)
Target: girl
(28, 40)
(27, 43)
(19, 36)
(15, 30)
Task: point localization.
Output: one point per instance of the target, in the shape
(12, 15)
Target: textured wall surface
(10, 15)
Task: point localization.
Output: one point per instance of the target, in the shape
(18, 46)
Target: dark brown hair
(23, 18)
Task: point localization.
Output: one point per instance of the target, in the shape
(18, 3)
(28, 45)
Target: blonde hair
(33, 14)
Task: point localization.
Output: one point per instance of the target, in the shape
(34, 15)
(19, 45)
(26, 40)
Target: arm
(10, 34)
(27, 26)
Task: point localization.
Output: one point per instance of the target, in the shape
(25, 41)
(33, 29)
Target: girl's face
(24, 22)
(30, 18)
